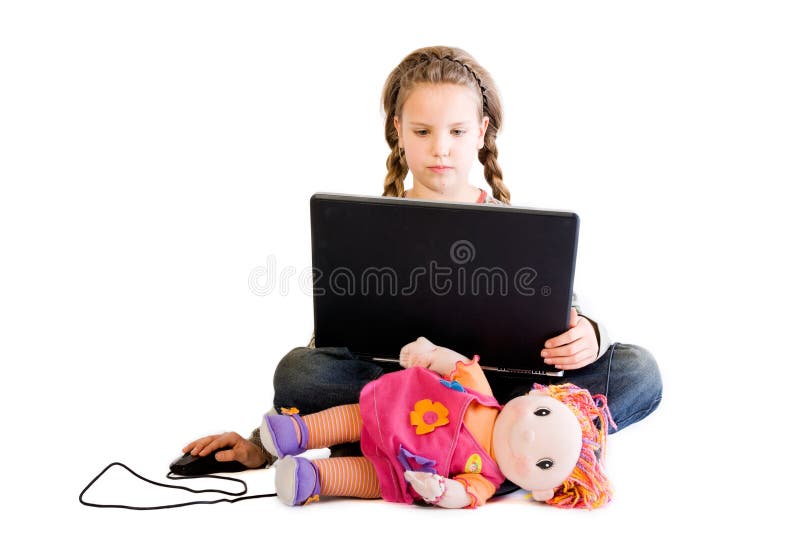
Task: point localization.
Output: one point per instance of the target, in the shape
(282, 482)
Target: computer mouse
(188, 465)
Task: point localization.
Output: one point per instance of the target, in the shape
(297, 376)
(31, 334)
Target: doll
(433, 432)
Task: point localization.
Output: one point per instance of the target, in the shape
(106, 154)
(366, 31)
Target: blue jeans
(314, 379)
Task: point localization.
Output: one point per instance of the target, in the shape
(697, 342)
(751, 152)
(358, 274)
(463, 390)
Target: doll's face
(537, 441)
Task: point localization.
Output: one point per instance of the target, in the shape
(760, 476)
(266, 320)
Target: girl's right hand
(241, 450)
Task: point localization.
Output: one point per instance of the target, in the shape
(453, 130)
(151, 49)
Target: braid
(397, 169)
(393, 185)
(491, 169)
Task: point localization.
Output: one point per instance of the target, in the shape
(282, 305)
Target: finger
(227, 456)
(198, 444)
(578, 361)
(567, 337)
(565, 350)
(589, 334)
(192, 445)
(576, 352)
(221, 441)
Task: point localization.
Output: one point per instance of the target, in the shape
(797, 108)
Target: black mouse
(188, 465)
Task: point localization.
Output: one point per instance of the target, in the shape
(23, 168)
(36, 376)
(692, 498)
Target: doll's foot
(296, 481)
(279, 435)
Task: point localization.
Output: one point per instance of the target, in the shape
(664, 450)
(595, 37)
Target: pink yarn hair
(587, 485)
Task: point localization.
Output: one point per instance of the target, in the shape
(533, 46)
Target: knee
(635, 381)
(297, 376)
(306, 367)
(640, 361)
(295, 365)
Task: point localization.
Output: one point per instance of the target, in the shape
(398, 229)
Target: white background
(152, 154)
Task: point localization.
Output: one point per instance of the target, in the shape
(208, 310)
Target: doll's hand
(575, 348)
(418, 353)
(436, 489)
(429, 485)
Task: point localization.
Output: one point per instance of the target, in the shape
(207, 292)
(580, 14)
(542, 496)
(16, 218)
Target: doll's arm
(423, 353)
(435, 489)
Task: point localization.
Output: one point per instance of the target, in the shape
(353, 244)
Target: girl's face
(441, 134)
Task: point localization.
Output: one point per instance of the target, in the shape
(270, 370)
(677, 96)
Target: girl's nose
(441, 147)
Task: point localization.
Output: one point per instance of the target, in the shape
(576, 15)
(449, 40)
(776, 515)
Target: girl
(442, 108)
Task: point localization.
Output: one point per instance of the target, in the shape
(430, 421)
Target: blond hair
(442, 64)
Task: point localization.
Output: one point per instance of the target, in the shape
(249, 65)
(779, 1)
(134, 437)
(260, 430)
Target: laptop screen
(480, 279)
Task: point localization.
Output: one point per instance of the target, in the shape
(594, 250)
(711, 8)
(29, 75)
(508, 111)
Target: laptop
(482, 279)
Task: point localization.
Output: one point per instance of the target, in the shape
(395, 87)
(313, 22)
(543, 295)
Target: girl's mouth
(439, 169)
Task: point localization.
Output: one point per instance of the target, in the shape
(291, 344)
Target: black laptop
(477, 278)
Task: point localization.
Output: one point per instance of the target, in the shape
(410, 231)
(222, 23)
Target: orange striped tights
(344, 476)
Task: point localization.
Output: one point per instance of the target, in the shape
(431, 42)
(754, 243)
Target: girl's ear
(399, 132)
(482, 131)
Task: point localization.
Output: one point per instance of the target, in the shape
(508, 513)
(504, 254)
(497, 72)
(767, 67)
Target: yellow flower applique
(427, 415)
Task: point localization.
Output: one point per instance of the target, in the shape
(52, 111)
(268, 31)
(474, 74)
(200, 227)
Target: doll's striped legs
(298, 480)
(344, 477)
(340, 424)
(348, 477)
(292, 434)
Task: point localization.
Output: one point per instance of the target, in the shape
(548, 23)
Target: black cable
(239, 495)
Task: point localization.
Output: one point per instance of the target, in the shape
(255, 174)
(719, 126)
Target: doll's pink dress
(415, 419)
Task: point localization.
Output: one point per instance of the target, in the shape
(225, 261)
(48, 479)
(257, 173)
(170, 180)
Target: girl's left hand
(575, 348)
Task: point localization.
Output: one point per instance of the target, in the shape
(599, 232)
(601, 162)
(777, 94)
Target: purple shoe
(279, 437)
(296, 481)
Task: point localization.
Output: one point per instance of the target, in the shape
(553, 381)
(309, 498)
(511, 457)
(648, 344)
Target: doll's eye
(545, 463)
(541, 412)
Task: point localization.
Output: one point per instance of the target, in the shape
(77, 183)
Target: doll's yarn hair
(587, 485)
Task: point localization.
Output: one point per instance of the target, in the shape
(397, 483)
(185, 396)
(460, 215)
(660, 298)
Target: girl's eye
(545, 463)
(459, 133)
(541, 412)
(421, 132)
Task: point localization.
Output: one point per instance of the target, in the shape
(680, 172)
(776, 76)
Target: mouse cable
(240, 496)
